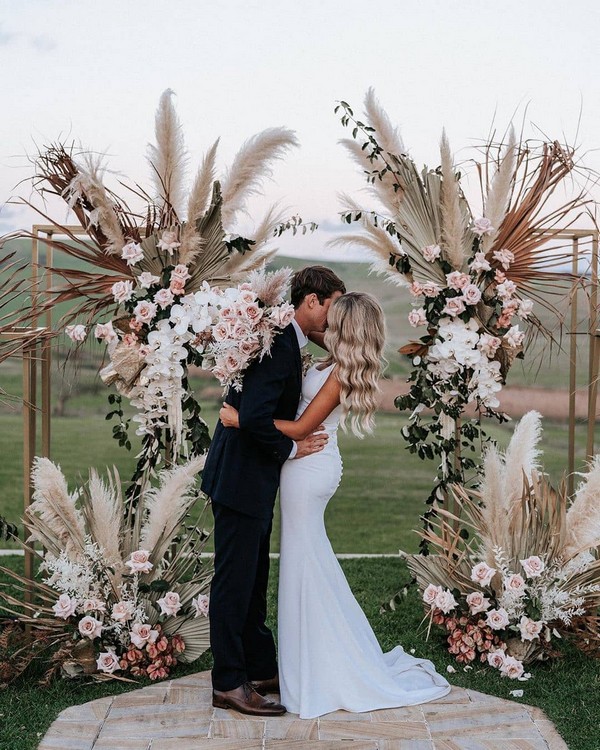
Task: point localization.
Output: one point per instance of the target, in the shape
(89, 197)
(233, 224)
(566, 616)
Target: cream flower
(514, 337)
(431, 253)
(417, 317)
(145, 311)
(282, 315)
(168, 241)
(479, 263)
(533, 566)
(416, 289)
(76, 332)
(431, 289)
(430, 593)
(477, 602)
(132, 253)
(445, 601)
(488, 344)
(122, 611)
(496, 658)
(506, 289)
(90, 627)
(482, 574)
(65, 607)
(525, 308)
(93, 605)
(108, 662)
(530, 629)
(141, 634)
(139, 561)
(105, 332)
(122, 291)
(514, 583)
(482, 226)
(454, 306)
(497, 619)
(457, 280)
(180, 272)
(146, 280)
(504, 257)
(200, 604)
(471, 294)
(170, 603)
(164, 298)
(512, 668)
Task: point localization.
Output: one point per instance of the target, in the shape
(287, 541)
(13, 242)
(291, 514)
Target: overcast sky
(93, 72)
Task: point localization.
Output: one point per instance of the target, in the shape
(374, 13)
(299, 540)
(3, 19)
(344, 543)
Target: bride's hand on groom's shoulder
(314, 443)
(229, 416)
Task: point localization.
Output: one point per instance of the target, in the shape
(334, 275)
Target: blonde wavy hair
(355, 338)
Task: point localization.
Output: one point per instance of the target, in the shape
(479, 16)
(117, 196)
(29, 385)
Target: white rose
(488, 345)
(512, 668)
(180, 272)
(76, 332)
(514, 583)
(65, 606)
(477, 602)
(142, 634)
(454, 306)
(168, 241)
(200, 604)
(431, 252)
(105, 332)
(164, 298)
(506, 289)
(139, 561)
(445, 601)
(417, 317)
(497, 619)
(89, 627)
(482, 226)
(525, 308)
(107, 662)
(132, 253)
(146, 280)
(496, 658)
(430, 593)
(169, 604)
(144, 311)
(430, 289)
(533, 566)
(530, 629)
(122, 291)
(471, 294)
(482, 574)
(122, 611)
(93, 605)
(282, 315)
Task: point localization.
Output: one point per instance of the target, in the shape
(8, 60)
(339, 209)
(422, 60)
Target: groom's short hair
(317, 280)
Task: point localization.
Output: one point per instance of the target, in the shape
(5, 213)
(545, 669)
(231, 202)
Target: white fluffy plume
(168, 158)
(386, 134)
(583, 517)
(54, 520)
(522, 455)
(167, 504)
(252, 164)
(104, 516)
(452, 218)
(498, 196)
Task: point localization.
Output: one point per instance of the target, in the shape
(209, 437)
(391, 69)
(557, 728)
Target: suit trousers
(242, 645)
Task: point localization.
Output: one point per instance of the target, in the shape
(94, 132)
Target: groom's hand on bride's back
(314, 443)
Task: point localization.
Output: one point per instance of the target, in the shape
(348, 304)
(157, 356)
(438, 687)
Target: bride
(329, 657)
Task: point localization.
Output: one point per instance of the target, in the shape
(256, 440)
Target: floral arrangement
(131, 589)
(473, 275)
(519, 569)
(142, 271)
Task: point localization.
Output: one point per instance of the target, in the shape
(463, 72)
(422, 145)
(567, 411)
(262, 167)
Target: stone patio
(178, 715)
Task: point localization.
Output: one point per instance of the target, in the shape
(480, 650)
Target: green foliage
(8, 530)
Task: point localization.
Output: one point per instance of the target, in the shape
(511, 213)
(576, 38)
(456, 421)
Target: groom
(241, 477)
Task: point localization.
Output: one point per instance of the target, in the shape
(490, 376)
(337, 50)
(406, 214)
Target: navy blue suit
(241, 476)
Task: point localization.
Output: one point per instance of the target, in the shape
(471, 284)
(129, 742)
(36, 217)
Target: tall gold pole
(46, 354)
(573, 372)
(29, 388)
(594, 352)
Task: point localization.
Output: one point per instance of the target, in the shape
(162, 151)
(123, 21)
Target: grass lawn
(566, 690)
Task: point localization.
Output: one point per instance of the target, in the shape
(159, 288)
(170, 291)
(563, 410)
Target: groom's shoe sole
(247, 701)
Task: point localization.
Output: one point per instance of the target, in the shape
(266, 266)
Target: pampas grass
(583, 517)
(453, 224)
(521, 457)
(270, 287)
(103, 513)
(168, 157)
(498, 195)
(252, 164)
(53, 517)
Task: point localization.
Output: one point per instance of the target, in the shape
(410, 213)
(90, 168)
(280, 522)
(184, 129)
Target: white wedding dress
(329, 657)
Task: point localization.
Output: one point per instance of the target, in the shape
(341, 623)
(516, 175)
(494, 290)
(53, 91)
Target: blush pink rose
(431, 253)
(477, 602)
(454, 306)
(200, 604)
(417, 317)
(497, 619)
(130, 339)
(488, 345)
(512, 668)
(482, 226)
(499, 276)
(496, 658)
(514, 583)
(168, 241)
(105, 332)
(514, 337)
(249, 346)
(177, 286)
(251, 312)
(122, 611)
(93, 605)
(430, 593)
(530, 629)
(506, 289)
(146, 280)
(144, 311)
(431, 289)
(139, 561)
(132, 252)
(416, 289)
(108, 662)
(457, 280)
(445, 601)
(471, 294)
(247, 296)
(525, 308)
(76, 332)
(180, 272)
(479, 263)
(141, 634)
(170, 603)
(504, 257)
(482, 574)
(65, 607)
(90, 627)
(163, 298)
(122, 291)
(533, 566)
(282, 315)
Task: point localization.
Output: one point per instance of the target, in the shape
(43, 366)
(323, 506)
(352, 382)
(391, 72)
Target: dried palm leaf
(197, 205)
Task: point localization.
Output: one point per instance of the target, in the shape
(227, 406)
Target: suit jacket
(243, 465)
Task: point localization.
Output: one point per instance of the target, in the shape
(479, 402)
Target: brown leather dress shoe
(263, 687)
(247, 701)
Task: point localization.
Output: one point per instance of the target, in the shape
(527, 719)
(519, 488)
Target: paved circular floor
(178, 715)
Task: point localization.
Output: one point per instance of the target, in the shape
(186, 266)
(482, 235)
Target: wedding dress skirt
(329, 657)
